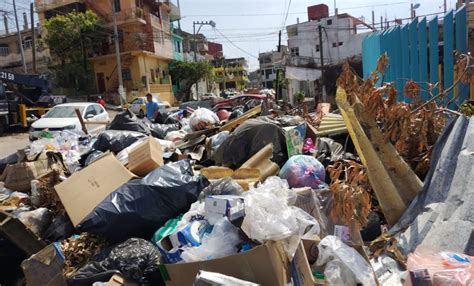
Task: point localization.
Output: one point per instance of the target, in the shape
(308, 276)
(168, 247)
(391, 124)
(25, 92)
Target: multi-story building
(146, 43)
(231, 73)
(340, 41)
(215, 50)
(10, 54)
(270, 62)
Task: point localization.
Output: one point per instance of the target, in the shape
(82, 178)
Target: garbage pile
(189, 198)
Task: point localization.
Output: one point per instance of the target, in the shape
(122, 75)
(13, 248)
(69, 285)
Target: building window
(27, 43)
(334, 45)
(4, 50)
(329, 22)
(295, 52)
(116, 4)
(177, 47)
(318, 48)
(126, 74)
(340, 43)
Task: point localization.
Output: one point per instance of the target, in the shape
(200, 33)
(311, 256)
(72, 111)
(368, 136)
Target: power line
(232, 43)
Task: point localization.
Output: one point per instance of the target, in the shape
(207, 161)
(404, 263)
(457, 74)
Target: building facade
(341, 40)
(10, 54)
(269, 63)
(231, 73)
(147, 43)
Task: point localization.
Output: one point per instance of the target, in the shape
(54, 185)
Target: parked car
(240, 100)
(63, 117)
(138, 106)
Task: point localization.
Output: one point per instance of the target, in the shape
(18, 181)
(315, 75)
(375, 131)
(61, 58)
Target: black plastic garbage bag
(61, 228)
(163, 117)
(9, 160)
(126, 120)
(92, 156)
(136, 259)
(160, 130)
(141, 206)
(116, 140)
(248, 139)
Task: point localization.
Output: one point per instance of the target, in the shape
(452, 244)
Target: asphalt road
(17, 139)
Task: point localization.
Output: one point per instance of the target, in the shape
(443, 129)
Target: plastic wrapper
(126, 120)
(36, 220)
(116, 140)
(439, 268)
(304, 171)
(136, 259)
(270, 215)
(343, 262)
(224, 186)
(175, 135)
(60, 228)
(4, 192)
(221, 242)
(94, 155)
(138, 208)
(309, 147)
(203, 116)
(249, 138)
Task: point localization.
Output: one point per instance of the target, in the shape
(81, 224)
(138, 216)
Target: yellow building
(145, 44)
(231, 73)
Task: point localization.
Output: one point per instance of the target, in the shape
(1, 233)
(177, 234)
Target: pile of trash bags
(251, 196)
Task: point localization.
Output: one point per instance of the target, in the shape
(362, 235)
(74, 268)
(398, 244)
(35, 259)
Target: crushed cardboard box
(84, 190)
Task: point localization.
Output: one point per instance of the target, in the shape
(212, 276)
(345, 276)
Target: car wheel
(141, 114)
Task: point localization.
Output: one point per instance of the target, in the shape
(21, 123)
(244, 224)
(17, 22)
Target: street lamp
(413, 7)
(200, 23)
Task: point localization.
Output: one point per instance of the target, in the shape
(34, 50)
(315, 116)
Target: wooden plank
(434, 51)
(96, 122)
(236, 122)
(16, 232)
(79, 116)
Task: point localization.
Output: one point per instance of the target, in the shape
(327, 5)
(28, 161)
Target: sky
(248, 27)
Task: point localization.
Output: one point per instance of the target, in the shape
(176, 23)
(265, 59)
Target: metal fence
(422, 51)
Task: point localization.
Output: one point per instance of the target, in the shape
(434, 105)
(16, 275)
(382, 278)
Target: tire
(141, 114)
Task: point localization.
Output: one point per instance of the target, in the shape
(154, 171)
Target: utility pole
(373, 20)
(277, 85)
(445, 5)
(33, 37)
(117, 54)
(201, 23)
(321, 55)
(381, 23)
(22, 52)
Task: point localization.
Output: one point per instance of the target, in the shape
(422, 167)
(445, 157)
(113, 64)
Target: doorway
(101, 82)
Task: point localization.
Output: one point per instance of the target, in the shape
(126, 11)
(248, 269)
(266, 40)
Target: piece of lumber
(236, 122)
(81, 120)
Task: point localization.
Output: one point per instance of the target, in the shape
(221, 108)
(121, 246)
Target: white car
(63, 116)
(138, 106)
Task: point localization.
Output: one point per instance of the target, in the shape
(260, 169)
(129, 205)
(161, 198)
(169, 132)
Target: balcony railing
(126, 15)
(42, 5)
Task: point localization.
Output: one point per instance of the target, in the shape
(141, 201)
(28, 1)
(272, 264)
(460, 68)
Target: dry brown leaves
(387, 245)
(48, 197)
(413, 133)
(79, 250)
(351, 191)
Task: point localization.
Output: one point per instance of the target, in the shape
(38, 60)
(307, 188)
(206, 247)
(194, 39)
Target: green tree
(68, 37)
(186, 74)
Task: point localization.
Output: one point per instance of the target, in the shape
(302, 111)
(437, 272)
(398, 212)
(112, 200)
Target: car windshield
(63, 112)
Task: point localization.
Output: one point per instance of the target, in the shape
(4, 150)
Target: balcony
(127, 16)
(43, 5)
(300, 61)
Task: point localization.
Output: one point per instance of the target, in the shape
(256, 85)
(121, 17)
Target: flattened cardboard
(18, 176)
(265, 264)
(84, 190)
(44, 268)
(145, 157)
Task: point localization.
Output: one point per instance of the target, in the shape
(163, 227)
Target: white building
(270, 62)
(340, 40)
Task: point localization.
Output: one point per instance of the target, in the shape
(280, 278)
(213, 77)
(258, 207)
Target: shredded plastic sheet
(270, 215)
(343, 264)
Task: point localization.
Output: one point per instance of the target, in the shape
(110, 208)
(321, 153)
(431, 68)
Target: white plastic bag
(269, 215)
(343, 263)
(202, 116)
(221, 242)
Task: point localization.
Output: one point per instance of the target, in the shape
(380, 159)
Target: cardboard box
(44, 268)
(118, 280)
(84, 190)
(218, 207)
(145, 157)
(266, 264)
(17, 177)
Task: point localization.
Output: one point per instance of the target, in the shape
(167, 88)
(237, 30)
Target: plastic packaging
(304, 171)
(440, 267)
(270, 215)
(224, 186)
(343, 263)
(308, 147)
(138, 208)
(202, 117)
(221, 242)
